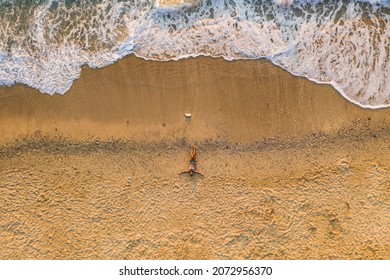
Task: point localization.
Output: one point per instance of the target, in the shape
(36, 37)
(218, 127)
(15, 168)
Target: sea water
(345, 43)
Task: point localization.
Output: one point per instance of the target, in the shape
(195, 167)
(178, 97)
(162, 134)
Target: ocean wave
(44, 44)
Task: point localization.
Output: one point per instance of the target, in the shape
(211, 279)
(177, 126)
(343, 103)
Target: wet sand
(291, 169)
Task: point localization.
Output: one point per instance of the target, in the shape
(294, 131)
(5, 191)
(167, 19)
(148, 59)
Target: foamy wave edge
(339, 90)
(62, 78)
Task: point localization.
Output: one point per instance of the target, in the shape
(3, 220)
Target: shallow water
(343, 43)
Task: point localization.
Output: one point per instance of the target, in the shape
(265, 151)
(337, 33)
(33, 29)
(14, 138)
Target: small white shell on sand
(187, 115)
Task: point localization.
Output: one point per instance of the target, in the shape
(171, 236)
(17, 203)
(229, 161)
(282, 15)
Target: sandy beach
(291, 169)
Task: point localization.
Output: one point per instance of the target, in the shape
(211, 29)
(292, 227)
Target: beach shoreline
(239, 101)
(291, 169)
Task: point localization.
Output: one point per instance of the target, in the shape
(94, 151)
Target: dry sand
(291, 169)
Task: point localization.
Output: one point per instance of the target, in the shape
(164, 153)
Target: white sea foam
(284, 2)
(345, 44)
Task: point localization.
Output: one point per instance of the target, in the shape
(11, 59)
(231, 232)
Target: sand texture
(291, 169)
